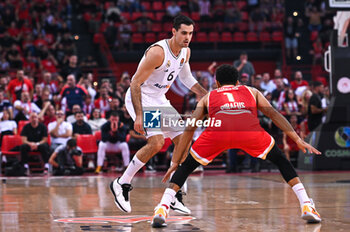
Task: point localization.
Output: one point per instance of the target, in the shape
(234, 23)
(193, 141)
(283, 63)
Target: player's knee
(102, 145)
(156, 144)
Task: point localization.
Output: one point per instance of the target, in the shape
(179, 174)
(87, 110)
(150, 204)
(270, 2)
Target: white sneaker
(178, 205)
(309, 213)
(121, 195)
(159, 217)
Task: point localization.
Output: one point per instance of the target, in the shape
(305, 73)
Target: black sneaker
(178, 205)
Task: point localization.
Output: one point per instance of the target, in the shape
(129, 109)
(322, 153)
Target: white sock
(301, 194)
(26, 166)
(168, 197)
(134, 166)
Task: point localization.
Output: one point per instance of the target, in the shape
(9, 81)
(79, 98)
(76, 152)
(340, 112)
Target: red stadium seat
(21, 124)
(241, 4)
(201, 37)
(277, 36)
(167, 26)
(146, 6)
(245, 15)
(214, 36)
(87, 143)
(126, 15)
(151, 15)
(9, 142)
(158, 6)
(137, 38)
(159, 15)
(264, 36)
(135, 15)
(150, 37)
(252, 37)
(163, 35)
(157, 27)
(195, 16)
(238, 37)
(226, 37)
(242, 26)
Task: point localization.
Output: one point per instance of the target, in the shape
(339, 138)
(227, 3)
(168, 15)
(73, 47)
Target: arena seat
(252, 37)
(238, 37)
(226, 37)
(21, 124)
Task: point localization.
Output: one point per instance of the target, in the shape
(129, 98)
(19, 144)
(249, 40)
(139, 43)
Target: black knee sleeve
(277, 157)
(184, 171)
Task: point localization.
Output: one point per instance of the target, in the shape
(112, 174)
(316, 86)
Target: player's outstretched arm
(180, 151)
(281, 122)
(153, 58)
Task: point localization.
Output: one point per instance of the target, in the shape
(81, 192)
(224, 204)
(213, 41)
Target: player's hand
(170, 170)
(138, 126)
(305, 146)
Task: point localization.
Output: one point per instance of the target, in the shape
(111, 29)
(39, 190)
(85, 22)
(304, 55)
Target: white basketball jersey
(159, 82)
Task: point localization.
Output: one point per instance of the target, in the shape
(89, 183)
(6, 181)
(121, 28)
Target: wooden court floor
(219, 202)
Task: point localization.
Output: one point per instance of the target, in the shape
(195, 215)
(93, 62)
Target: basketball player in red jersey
(236, 106)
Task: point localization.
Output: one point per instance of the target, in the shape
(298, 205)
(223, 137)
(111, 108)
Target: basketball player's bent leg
(289, 174)
(121, 186)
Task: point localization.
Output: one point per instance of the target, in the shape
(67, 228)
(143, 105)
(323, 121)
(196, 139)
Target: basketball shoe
(121, 194)
(178, 205)
(309, 213)
(161, 212)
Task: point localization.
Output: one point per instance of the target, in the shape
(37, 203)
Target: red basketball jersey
(236, 107)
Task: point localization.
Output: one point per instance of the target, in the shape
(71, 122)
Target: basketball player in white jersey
(157, 70)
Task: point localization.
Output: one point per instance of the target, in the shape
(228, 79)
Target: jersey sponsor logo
(152, 118)
(159, 86)
(233, 106)
(182, 62)
(168, 64)
(120, 219)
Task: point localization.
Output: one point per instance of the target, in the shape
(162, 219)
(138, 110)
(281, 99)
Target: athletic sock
(301, 194)
(168, 197)
(134, 166)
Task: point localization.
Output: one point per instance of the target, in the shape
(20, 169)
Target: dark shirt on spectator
(34, 134)
(314, 119)
(113, 137)
(84, 129)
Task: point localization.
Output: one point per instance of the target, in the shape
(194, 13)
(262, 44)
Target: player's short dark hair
(226, 74)
(71, 143)
(79, 112)
(182, 19)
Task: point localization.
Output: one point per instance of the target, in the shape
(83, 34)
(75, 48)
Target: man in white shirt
(267, 84)
(24, 107)
(60, 130)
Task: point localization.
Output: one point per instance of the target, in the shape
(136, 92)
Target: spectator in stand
(60, 130)
(24, 107)
(4, 82)
(314, 18)
(291, 39)
(48, 83)
(5, 104)
(315, 110)
(73, 94)
(144, 23)
(14, 57)
(317, 51)
(277, 92)
(218, 13)
(88, 105)
(44, 97)
(7, 126)
(47, 61)
(232, 16)
(71, 68)
(67, 159)
(244, 79)
(204, 82)
(298, 81)
(19, 85)
(34, 138)
(113, 139)
(193, 6)
(304, 102)
(113, 12)
(71, 118)
(124, 34)
(204, 11)
(267, 84)
(87, 83)
(88, 64)
(103, 102)
(289, 146)
(290, 105)
(79, 126)
(114, 105)
(96, 121)
(245, 66)
(325, 101)
(171, 11)
(47, 114)
(257, 82)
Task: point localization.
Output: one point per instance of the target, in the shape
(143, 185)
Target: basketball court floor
(219, 202)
